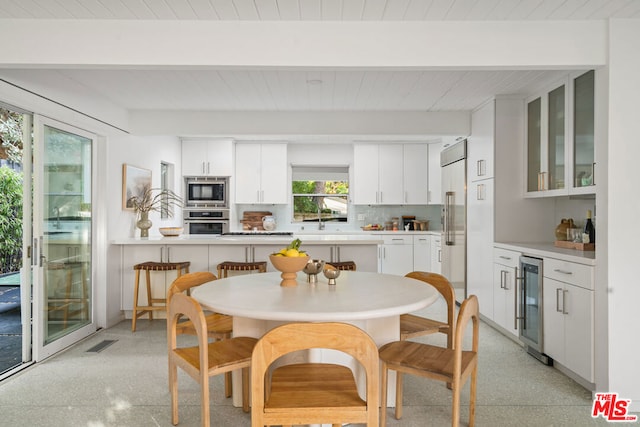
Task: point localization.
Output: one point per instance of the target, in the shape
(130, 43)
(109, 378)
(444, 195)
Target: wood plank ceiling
(305, 90)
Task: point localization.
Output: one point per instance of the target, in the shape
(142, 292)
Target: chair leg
(135, 301)
(149, 303)
(204, 395)
(228, 384)
(455, 405)
(399, 379)
(173, 390)
(384, 379)
(245, 389)
(472, 396)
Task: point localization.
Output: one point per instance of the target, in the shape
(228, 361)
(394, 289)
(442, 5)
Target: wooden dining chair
(206, 359)
(412, 326)
(344, 265)
(313, 393)
(219, 326)
(454, 366)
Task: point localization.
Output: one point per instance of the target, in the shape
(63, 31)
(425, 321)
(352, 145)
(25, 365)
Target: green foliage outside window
(10, 220)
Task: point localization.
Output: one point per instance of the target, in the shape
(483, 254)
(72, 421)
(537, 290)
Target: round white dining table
(371, 301)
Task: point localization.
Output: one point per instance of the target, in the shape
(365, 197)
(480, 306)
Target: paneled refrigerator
(453, 162)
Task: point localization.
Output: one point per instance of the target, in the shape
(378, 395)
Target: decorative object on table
(289, 261)
(331, 273)
(589, 230)
(561, 229)
(312, 268)
(135, 181)
(170, 231)
(269, 222)
(147, 202)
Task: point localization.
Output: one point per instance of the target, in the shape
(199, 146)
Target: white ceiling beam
(269, 123)
(344, 45)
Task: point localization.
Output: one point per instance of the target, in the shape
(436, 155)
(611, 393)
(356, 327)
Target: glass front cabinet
(560, 139)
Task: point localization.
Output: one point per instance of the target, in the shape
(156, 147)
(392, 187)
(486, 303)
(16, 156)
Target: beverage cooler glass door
(531, 302)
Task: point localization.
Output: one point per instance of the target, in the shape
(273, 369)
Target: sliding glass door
(62, 236)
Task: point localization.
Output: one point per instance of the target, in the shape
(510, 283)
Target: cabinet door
(221, 253)
(365, 174)
(553, 319)
(504, 297)
(322, 252)
(248, 159)
(584, 160)
(435, 174)
(390, 185)
(396, 259)
(480, 143)
(556, 139)
(480, 210)
(578, 327)
(436, 254)
(262, 252)
(219, 158)
(421, 253)
(415, 174)
(274, 174)
(194, 154)
(198, 255)
(365, 256)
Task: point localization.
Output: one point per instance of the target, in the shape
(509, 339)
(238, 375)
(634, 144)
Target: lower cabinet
(422, 253)
(568, 307)
(436, 254)
(505, 290)
(396, 255)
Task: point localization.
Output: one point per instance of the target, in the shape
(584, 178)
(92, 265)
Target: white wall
(623, 210)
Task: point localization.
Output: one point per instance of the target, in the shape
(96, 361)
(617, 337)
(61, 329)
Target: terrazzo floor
(125, 384)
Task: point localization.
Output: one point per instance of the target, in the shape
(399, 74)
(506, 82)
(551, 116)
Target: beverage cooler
(530, 307)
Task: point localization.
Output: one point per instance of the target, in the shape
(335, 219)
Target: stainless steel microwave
(206, 191)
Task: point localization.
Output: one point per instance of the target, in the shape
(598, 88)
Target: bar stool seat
(226, 266)
(160, 303)
(344, 265)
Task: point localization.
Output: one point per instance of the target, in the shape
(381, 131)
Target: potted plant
(148, 202)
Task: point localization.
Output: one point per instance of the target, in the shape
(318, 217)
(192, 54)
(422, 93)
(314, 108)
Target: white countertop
(550, 251)
(356, 296)
(322, 238)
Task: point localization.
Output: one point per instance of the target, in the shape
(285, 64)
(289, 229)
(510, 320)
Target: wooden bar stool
(73, 303)
(148, 267)
(225, 267)
(344, 265)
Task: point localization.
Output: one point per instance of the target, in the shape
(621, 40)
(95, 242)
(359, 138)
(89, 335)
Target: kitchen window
(320, 193)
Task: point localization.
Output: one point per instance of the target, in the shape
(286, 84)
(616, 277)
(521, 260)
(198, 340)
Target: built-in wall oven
(530, 307)
(205, 221)
(206, 192)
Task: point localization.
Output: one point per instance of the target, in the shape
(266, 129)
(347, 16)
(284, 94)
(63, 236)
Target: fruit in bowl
(289, 261)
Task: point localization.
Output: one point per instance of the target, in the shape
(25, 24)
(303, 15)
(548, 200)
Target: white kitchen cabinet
(480, 144)
(207, 158)
(568, 306)
(583, 135)
(261, 173)
(160, 280)
(480, 213)
(421, 253)
(390, 174)
(504, 290)
(415, 174)
(396, 255)
(436, 254)
(365, 256)
(434, 174)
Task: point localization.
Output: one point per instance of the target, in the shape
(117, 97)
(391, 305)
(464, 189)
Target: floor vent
(101, 346)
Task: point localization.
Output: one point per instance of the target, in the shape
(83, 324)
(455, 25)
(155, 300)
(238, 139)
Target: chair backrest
(188, 281)
(469, 310)
(292, 337)
(183, 305)
(443, 286)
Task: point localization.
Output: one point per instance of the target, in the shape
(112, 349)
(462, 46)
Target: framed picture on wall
(135, 181)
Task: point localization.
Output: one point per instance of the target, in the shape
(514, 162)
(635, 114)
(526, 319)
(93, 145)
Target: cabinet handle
(168, 254)
(381, 197)
(439, 255)
(593, 173)
(564, 301)
(161, 254)
(331, 254)
(515, 299)
(558, 292)
(481, 168)
(428, 196)
(508, 258)
(502, 279)
(480, 192)
(557, 270)
(338, 252)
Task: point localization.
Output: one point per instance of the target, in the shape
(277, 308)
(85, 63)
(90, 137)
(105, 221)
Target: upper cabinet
(390, 174)
(434, 195)
(261, 173)
(207, 158)
(560, 139)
